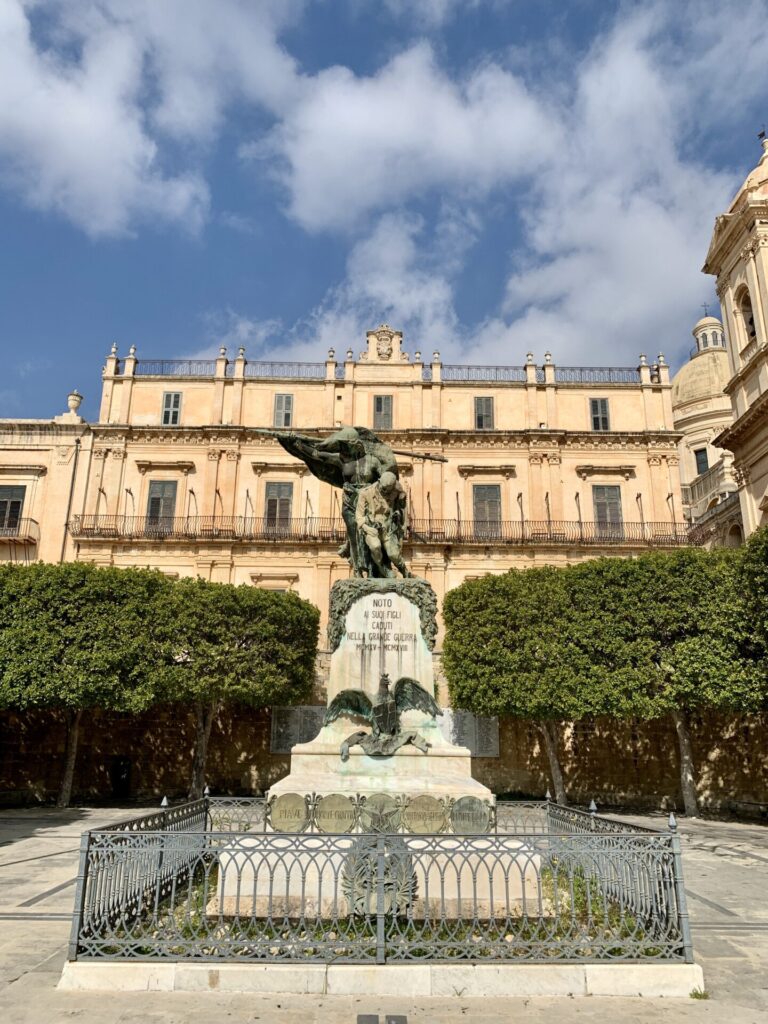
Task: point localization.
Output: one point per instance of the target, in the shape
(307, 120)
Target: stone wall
(616, 763)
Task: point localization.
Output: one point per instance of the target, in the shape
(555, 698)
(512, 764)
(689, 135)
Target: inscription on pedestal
(425, 814)
(335, 813)
(289, 813)
(480, 734)
(470, 816)
(293, 725)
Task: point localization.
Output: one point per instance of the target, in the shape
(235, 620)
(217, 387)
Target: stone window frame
(600, 414)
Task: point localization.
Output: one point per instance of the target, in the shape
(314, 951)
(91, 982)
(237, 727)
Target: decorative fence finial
(164, 802)
(592, 808)
(672, 822)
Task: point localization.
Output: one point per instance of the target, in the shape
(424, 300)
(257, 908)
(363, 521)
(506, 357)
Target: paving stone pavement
(726, 877)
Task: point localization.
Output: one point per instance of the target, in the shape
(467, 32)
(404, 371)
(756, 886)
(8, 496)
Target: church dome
(756, 183)
(702, 379)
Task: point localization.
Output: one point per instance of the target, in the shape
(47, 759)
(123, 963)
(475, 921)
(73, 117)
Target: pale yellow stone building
(738, 256)
(544, 464)
(702, 411)
(43, 477)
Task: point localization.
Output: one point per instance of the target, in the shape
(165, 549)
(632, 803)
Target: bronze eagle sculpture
(383, 712)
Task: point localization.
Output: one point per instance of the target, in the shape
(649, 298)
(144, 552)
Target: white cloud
(93, 91)
(72, 138)
(351, 145)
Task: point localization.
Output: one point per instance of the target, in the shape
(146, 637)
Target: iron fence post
(682, 904)
(380, 868)
(82, 878)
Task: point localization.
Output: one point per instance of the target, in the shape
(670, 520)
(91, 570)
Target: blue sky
(490, 176)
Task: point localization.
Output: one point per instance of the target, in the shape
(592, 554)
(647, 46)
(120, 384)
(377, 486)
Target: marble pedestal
(381, 626)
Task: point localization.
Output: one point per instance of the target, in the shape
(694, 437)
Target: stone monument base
(446, 771)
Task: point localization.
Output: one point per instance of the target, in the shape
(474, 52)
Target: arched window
(744, 304)
(704, 342)
(734, 538)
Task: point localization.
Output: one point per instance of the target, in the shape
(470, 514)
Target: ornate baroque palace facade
(542, 463)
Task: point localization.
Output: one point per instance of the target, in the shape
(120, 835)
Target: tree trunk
(73, 732)
(204, 721)
(687, 771)
(549, 732)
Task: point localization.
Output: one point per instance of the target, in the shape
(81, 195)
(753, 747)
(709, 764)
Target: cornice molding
(164, 465)
(745, 426)
(23, 470)
(626, 471)
(506, 471)
(279, 467)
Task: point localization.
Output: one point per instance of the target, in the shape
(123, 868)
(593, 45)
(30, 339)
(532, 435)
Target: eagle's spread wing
(411, 695)
(349, 702)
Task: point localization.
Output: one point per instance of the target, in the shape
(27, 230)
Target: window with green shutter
(483, 414)
(486, 507)
(382, 412)
(283, 411)
(161, 505)
(11, 506)
(171, 408)
(606, 500)
(598, 410)
(277, 507)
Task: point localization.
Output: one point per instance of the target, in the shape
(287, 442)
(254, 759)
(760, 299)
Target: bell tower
(738, 257)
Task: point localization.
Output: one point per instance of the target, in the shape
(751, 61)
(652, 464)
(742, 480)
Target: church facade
(738, 257)
(502, 465)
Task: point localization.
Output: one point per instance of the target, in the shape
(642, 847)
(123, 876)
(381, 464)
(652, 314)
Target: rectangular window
(483, 414)
(11, 505)
(607, 504)
(171, 408)
(598, 411)
(277, 506)
(382, 412)
(702, 460)
(486, 507)
(161, 506)
(283, 410)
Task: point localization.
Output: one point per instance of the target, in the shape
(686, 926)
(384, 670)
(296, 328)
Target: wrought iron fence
(314, 529)
(580, 889)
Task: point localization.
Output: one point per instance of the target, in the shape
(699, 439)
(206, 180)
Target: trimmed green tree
(507, 652)
(75, 637)
(224, 644)
(664, 635)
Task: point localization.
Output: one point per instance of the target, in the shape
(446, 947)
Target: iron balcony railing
(506, 374)
(596, 375)
(208, 528)
(419, 531)
(580, 888)
(546, 532)
(175, 368)
(20, 531)
(297, 371)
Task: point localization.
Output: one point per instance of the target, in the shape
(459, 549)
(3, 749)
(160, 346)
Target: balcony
(711, 487)
(547, 533)
(314, 530)
(23, 531)
(206, 528)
